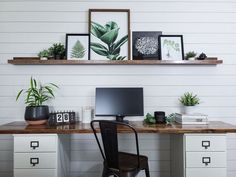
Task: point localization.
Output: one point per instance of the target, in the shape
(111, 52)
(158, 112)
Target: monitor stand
(120, 118)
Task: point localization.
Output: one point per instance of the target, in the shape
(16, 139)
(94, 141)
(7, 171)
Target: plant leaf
(97, 30)
(119, 43)
(78, 50)
(49, 90)
(111, 25)
(18, 95)
(54, 85)
(110, 37)
(99, 49)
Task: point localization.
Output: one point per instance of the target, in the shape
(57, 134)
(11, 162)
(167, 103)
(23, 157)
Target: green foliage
(190, 54)
(170, 118)
(43, 53)
(108, 35)
(37, 94)
(149, 119)
(57, 50)
(171, 45)
(78, 50)
(188, 99)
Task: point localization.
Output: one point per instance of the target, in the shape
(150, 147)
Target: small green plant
(190, 54)
(189, 99)
(149, 119)
(43, 54)
(108, 35)
(57, 51)
(37, 94)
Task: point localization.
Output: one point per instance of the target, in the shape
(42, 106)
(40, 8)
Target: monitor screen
(119, 102)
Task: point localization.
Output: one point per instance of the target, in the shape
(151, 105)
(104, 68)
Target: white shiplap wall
(28, 26)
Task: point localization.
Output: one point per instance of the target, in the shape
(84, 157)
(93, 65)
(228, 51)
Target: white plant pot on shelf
(189, 110)
(191, 58)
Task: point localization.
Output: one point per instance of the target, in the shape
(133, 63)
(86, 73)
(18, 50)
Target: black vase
(36, 115)
(160, 117)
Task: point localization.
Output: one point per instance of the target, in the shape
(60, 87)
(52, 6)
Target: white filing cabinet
(37, 155)
(194, 155)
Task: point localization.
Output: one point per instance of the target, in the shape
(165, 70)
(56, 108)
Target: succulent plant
(43, 54)
(189, 99)
(190, 54)
(108, 35)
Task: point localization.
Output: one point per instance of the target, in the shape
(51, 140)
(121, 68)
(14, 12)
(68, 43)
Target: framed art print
(109, 34)
(145, 45)
(171, 47)
(77, 47)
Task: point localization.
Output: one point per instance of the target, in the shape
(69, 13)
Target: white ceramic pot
(192, 58)
(189, 109)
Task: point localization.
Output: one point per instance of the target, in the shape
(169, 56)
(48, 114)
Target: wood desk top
(212, 127)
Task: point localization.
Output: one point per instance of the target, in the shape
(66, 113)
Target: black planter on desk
(36, 115)
(160, 117)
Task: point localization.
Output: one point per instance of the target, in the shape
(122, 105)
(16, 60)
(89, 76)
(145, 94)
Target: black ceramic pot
(36, 115)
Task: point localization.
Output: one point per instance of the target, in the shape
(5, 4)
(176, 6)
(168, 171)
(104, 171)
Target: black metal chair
(120, 164)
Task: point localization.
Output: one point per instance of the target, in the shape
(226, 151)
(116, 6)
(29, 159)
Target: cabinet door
(35, 173)
(206, 172)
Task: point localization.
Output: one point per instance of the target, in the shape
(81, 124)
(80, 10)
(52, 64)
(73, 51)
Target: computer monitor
(119, 102)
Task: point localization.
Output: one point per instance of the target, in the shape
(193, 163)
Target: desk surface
(212, 127)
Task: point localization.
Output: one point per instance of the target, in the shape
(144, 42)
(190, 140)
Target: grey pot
(36, 115)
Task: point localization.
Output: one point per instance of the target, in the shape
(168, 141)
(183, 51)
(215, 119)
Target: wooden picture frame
(78, 46)
(109, 31)
(171, 47)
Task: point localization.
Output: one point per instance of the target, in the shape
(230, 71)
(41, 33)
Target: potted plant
(57, 51)
(189, 101)
(36, 113)
(43, 55)
(190, 55)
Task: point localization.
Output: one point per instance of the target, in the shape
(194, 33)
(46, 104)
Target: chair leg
(147, 171)
(105, 172)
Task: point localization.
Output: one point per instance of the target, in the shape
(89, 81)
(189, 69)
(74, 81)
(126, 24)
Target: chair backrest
(108, 131)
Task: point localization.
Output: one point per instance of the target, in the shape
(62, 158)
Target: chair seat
(129, 162)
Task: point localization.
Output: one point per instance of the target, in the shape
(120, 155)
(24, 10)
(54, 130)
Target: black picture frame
(145, 45)
(176, 55)
(86, 45)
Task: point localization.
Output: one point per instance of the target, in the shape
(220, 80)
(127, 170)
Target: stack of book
(196, 119)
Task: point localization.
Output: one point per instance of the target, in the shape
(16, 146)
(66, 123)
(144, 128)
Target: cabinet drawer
(205, 142)
(35, 160)
(206, 172)
(205, 159)
(35, 173)
(34, 143)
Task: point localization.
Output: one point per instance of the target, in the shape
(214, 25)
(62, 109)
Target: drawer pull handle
(206, 144)
(34, 161)
(34, 144)
(206, 160)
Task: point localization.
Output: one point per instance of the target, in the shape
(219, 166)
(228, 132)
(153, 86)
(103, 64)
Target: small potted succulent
(190, 55)
(189, 102)
(57, 51)
(36, 113)
(43, 55)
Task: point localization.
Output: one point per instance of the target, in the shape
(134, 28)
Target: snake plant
(108, 35)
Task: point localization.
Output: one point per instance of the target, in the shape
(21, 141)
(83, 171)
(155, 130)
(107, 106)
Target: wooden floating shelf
(36, 61)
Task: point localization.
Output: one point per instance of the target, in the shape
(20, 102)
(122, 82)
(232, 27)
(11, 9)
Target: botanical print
(145, 44)
(77, 46)
(78, 50)
(171, 48)
(108, 34)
